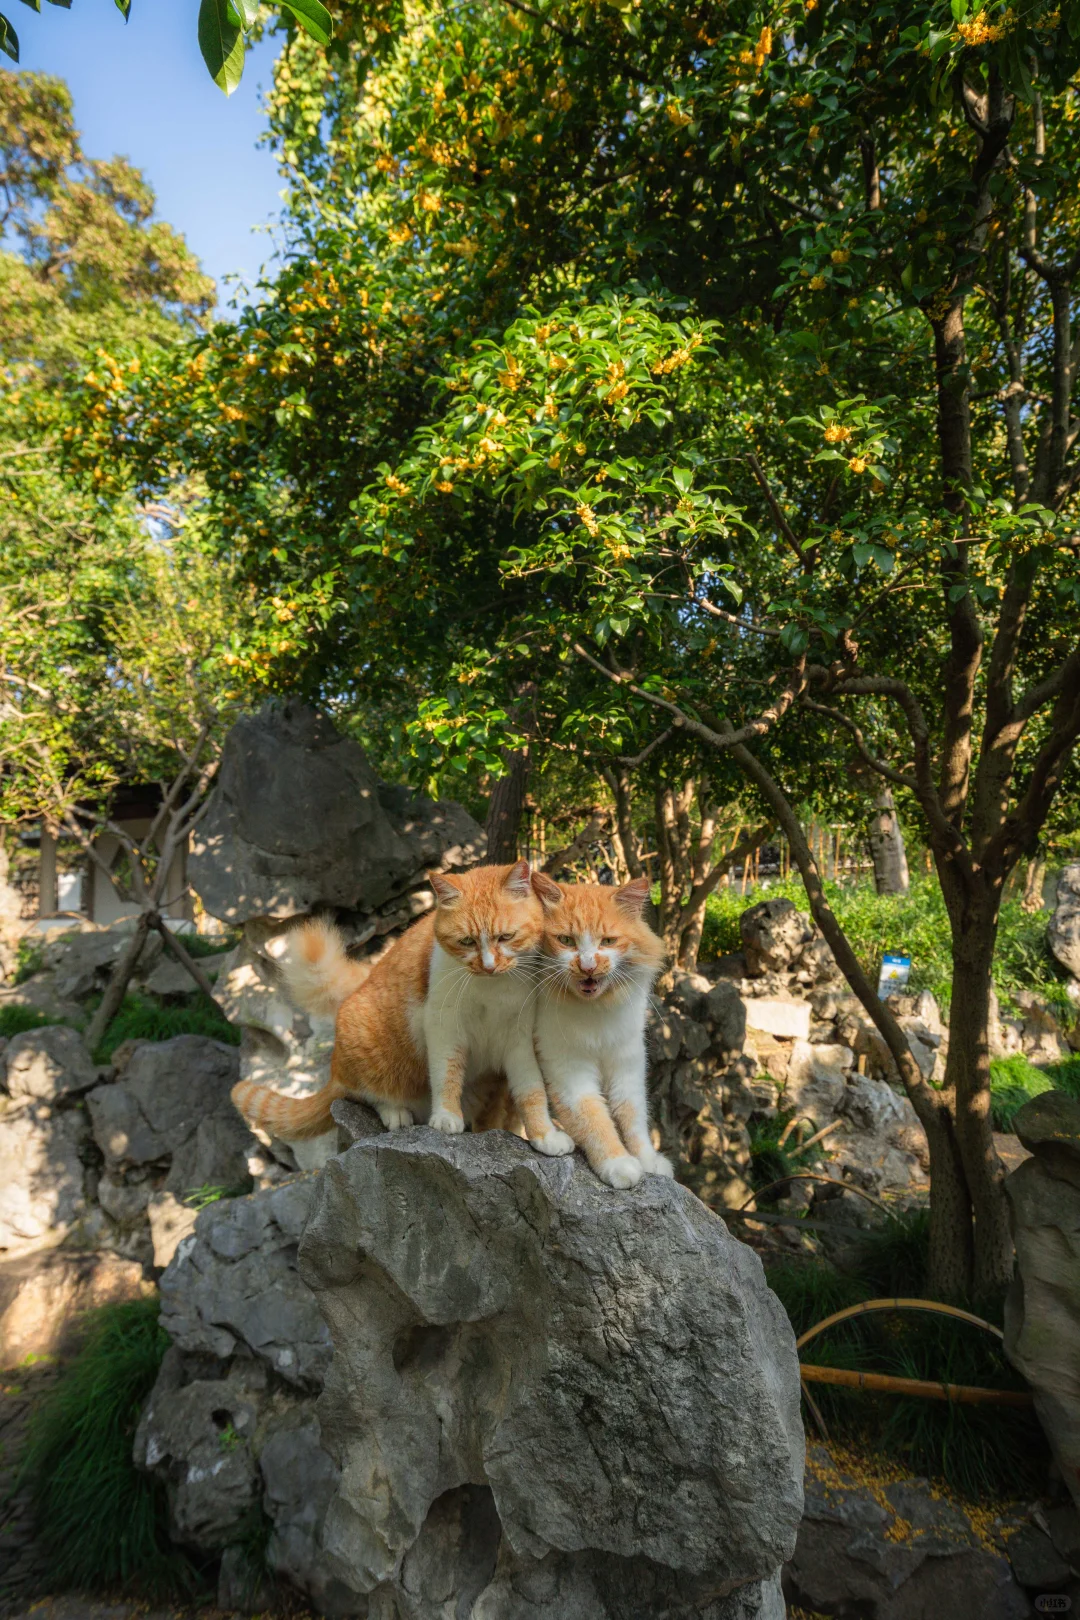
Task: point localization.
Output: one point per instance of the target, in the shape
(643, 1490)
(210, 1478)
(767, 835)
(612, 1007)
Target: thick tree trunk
(887, 845)
(505, 807)
(967, 1078)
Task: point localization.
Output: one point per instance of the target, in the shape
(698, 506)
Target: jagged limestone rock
(610, 1366)
(300, 820)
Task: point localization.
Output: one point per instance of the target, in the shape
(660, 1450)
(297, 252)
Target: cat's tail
(317, 974)
(291, 1118)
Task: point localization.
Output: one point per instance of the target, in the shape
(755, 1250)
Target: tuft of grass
(209, 944)
(916, 923)
(982, 1452)
(101, 1523)
(769, 1161)
(198, 1198)
(1013, 1082)
(140, 1018)
(29, 958)
(17, 1020)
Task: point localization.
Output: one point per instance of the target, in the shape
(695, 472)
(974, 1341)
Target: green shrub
(101, 1523)
(769, 1160)
(17, 1020)
(140, 1018)
(915, 923)
(991, 1451)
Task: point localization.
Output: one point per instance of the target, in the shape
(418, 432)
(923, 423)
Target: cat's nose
(587, 963)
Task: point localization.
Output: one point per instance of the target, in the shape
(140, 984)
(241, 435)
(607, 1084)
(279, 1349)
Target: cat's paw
(443, 1120)
(395, 1119)
(554, 1144)
(656, 1164)
(621, 1172)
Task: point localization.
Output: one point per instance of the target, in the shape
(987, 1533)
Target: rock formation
(546, 1398)
(300, 821)
(1042, 1314)
(1063, 929)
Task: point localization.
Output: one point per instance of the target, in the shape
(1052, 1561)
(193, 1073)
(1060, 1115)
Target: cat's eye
(468, 940)
(565, 939)
(609, 939)
(502, 938)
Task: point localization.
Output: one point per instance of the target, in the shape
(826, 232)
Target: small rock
(42, 1180)
(170, 979)
(1035, 1560)
(726, 1012)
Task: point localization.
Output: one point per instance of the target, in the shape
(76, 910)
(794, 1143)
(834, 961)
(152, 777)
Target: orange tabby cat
(450, 999)
(600, 959)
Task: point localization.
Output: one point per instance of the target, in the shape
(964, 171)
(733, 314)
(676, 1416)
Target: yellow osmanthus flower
(763, 48)
(429, 201)
(619, 550)
(978, 30)
(678, 115)
(840, 255)
(553, 461)
(858, 464)
(444, 487)
(587, 517)
(803, 101)
(815, 132)
(514, 375)
(579, 448)
(817, 283)
(399, 234)
(550, 408)
(395, 483)
(837, 433)
(232, 413)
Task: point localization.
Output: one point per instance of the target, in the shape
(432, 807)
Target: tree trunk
(887, 845)
(116, 988)
(967, 1079)
(505, 808)
(619, 783)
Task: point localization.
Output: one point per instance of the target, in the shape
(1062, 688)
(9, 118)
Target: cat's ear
(516, 880)
(632, 896)
(546, 890)
(447, 892)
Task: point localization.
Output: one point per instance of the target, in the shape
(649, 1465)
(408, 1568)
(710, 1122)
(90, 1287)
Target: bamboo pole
(962, 1394)
(935, 1307)
(812, 1175)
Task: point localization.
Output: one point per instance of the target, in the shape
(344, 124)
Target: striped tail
(316, 972)
(291, 1118)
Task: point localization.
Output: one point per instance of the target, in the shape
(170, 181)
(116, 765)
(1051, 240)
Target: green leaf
(313, 18)
(682, 477)
(959, 9)
(247, 13)
(222, 44)
(35, 5)
(122, 6)
(9, 39)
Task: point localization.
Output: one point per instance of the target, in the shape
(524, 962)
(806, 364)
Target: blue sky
(141, 90)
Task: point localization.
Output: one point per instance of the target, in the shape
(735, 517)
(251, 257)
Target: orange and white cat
(599, 961)
(423, 1034)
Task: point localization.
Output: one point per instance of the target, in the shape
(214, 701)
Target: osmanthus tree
(119, 626)
(707, 367)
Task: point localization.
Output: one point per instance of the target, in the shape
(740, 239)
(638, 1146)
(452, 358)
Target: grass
(981, 1452)
(1015, 1080)
(915, 923)
(101, 1523)
(142, 1019)
(209, 944)
(17, 1020)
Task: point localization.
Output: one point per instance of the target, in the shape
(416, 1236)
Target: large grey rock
(300, 820)
(172, 1107)
(234, 1282)
(82, 959)
(1063, 929)
(894, 1551)
(42, 1193)
(610, 1366)
(49, 1063)
(1042, 1310)
(773, 935)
